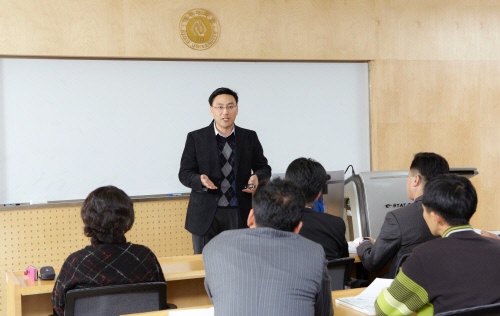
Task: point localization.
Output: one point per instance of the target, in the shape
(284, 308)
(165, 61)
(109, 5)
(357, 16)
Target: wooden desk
(338, 310)
(185, 277)
(356, 257)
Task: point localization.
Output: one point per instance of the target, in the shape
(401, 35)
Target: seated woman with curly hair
(107, 214)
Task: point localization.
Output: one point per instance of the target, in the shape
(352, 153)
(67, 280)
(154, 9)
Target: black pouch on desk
(47, 273)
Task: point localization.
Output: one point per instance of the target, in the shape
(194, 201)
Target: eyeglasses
(229, 108)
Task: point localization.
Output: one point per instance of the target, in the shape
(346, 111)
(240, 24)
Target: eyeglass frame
(229, 108)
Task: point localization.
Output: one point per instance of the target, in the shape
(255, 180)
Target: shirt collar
(217, 132)
(456, 229)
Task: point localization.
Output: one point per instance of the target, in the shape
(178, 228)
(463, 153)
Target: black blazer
(201, 156)
(327, 230)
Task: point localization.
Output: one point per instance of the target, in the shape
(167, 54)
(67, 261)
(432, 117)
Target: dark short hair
(220, 91)
(278, 204)
(309, 175)
(429, 165)
(451, 196)
(107, 213)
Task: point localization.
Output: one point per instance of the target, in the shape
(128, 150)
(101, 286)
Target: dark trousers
(225, 219)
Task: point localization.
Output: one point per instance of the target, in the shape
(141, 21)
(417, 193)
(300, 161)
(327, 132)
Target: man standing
(325, 229)
(222, 164)
(404, 228)
(456, 271)
(268, 269)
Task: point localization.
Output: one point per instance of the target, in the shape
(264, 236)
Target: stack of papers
(365, 301)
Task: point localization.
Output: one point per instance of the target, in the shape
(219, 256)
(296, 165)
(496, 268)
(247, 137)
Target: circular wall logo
(199, 29)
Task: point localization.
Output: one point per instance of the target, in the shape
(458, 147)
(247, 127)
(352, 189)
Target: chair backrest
(399, 264)
(483, 310)
(114, 300)
(339, 271)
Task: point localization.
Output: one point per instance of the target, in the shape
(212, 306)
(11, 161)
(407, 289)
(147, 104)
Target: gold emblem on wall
(199, 29)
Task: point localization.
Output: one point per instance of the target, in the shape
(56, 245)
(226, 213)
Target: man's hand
(207, 182)
(253, 183)
(369, 239)
(488, 234)
(358, 241)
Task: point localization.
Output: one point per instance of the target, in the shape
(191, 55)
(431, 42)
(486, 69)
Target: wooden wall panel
(62, 28)
(438, 30)
(160, 226)
(448, 107)
(276, 30)
(489, 129)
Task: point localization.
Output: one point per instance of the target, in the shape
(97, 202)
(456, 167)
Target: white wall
(69, 126)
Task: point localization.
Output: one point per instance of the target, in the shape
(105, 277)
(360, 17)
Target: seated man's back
(327, 230)
(264, 271)
(268, 269)
(454, 272)
(461, 270)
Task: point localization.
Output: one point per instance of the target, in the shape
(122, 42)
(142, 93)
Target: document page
(374, 289)
(365, 301)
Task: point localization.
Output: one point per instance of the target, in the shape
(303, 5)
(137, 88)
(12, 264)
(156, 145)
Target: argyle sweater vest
(226, 146)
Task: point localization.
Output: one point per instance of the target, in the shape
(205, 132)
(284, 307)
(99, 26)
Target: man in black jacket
(222, 164)
(325, 229)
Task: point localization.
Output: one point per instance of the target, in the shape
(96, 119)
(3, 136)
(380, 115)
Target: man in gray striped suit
(268, 269)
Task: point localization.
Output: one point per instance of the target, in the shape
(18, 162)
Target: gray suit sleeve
(375, 257)
(323, 305)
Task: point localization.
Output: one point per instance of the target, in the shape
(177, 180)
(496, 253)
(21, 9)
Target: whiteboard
(70, 126)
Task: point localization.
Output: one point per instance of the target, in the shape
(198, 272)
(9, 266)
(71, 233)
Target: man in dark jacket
(325, 229)
(404, 228)
(222, 164)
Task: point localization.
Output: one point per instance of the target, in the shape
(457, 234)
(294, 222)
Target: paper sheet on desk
(374, 289)
(365, 301)
(193, 312)
(352, 246)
